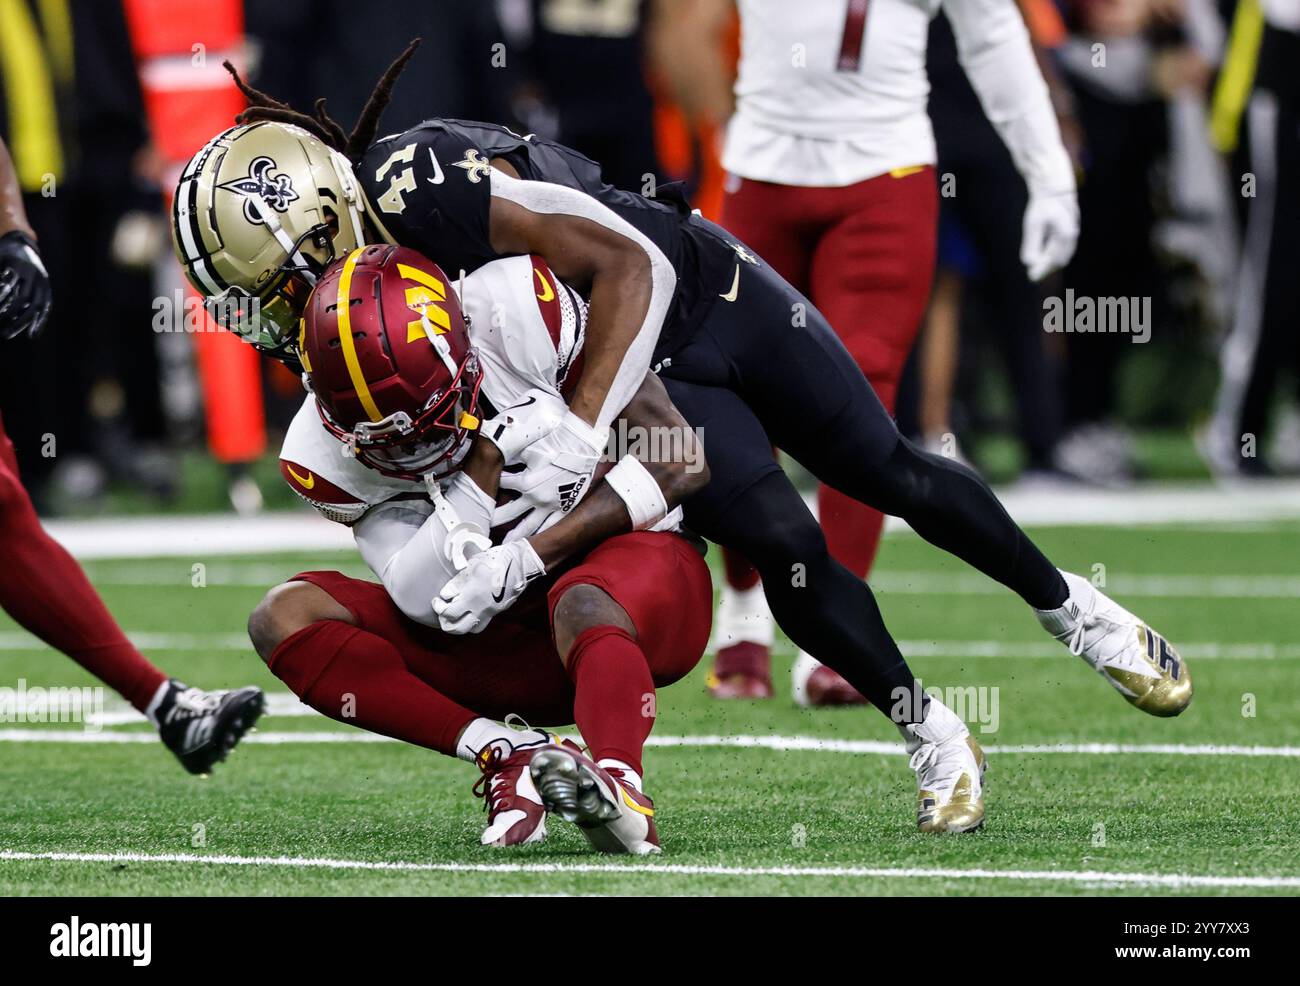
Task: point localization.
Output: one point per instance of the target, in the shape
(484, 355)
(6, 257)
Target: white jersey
(528, 330)
(833, 92)
(830, 92)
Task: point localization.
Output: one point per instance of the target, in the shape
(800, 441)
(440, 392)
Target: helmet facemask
(433, 443)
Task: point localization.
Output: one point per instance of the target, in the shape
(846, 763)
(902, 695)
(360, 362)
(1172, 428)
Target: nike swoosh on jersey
(735, 287)
(548, 293)
(307, 483)
(438, 176)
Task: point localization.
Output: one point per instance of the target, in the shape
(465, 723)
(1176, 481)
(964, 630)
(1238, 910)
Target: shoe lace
(924, 756)
(929, 759)
(1090, 620)
(1086, 621)
(518, 723)
(486, 786)
(195, 702)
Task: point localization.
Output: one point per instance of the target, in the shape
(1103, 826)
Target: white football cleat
(613, 815)
(949, 767)
(1139, 663)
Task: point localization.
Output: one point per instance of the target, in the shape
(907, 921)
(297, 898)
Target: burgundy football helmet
(386, 351)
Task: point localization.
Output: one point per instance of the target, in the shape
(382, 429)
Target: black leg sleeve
(814, 403)
(751, 506)
(953, 508)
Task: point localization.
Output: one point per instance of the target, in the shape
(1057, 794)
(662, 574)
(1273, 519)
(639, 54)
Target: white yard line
(1086, 877)
(18, 640)
(1150, 503)
(812, 744)
(199, 536)
(180, 574)
(204, 536)
(1168, 586)
(145, 640)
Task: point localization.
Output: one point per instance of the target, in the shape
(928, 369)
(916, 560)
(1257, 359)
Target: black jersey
(430, 188)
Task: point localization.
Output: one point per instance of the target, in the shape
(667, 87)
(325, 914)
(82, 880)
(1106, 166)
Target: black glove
(24, 287)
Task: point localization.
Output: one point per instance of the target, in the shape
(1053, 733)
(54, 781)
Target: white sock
(940, 725)
(1063, 618)
(630, 776)
(743, 616)
(481, 733)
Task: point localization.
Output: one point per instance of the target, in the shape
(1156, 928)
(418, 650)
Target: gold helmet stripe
(345, 337)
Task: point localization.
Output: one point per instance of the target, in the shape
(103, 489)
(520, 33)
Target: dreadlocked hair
(263, 108)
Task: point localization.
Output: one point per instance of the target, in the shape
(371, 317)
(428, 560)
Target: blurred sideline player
(830, 156)
(401, 365)
(41, 585)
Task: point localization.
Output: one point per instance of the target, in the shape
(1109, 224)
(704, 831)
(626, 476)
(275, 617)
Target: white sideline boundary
(18, 640)
(204, 536)
(809, 744)
(1165, 585)
(1084, 877)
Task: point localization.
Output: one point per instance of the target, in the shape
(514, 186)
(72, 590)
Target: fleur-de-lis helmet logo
(276, 190)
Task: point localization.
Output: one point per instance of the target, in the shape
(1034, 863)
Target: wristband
(639, 492)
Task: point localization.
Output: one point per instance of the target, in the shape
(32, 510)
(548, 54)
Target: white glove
(489, 584)
(534, 416)
(1051, 229)
(557, 475)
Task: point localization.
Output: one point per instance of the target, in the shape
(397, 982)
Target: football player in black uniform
(746, 359)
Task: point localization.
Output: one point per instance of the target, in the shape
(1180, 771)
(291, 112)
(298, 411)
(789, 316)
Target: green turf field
(733, 820)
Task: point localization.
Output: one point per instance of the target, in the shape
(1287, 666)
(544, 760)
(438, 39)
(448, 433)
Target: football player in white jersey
(830, 159)
(390, 442)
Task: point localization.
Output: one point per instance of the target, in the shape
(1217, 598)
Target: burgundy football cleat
(816, 685)
(516, 815)
(742, 670)
(613, 815)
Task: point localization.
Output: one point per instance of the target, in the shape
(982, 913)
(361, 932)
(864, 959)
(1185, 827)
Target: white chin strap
(351, 199)
(440, 345)
(343, 168)
(268, 217)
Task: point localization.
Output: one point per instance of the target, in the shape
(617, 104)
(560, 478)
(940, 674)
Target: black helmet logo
(276, 190)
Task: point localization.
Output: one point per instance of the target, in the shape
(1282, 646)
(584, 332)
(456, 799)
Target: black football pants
(767, 369)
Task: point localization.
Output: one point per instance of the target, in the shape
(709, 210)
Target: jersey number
(402, 182)
(855, 25)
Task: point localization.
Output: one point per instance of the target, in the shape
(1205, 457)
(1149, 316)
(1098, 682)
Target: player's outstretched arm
(995, 51)
(628, 279)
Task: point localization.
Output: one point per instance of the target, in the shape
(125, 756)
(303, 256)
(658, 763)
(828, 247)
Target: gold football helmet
(259, 213)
